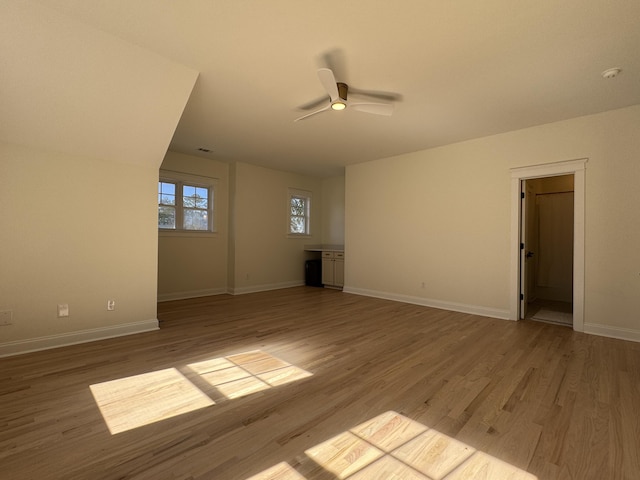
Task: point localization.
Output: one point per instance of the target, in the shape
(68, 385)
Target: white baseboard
(167, 297)
(264, 288)
(612, 332)
(83, 336)
(427, 302)
(590, 328)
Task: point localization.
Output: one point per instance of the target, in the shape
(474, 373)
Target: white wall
(195, 264)
(264, 256)
(442, 217)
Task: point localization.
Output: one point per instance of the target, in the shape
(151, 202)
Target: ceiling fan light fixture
(338, 91)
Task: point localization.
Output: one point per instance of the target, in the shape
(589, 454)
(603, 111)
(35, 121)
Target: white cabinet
(333, 268)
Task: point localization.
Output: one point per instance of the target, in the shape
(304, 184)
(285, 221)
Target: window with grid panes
(184, 206)
(299, 212)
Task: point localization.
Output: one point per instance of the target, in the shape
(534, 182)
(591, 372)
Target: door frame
(571, 167)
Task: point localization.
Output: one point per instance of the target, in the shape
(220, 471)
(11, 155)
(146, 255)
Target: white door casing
(577, 168)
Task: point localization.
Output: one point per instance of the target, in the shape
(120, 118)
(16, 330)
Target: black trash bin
(313, 273)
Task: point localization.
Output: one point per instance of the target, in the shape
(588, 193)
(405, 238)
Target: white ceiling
(464, 68)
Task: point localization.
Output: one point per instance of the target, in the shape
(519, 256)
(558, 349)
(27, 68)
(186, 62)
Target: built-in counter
(332, 257)
(323, 248)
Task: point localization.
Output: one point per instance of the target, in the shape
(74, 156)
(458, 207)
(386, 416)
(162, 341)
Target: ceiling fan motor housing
(343, 88)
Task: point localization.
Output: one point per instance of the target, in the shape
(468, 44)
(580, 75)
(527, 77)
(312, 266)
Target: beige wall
(85, 120)
(194, 264)
(561, 183)
(251, 250)
(78, 231)
(442, 217)
(231, 241)
(333, 211)
(264, 256)
(551, 238)
(68, 87)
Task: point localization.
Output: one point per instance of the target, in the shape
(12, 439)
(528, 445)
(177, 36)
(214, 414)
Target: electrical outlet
(6, 318)
(111, 305)
(63, 310)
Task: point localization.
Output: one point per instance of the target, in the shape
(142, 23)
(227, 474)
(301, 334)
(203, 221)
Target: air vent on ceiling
(611, 72)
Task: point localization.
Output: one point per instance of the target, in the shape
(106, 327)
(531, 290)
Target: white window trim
(295, 192)
(181, 178)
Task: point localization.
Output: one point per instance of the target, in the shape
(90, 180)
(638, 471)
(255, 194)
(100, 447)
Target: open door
(528, 246)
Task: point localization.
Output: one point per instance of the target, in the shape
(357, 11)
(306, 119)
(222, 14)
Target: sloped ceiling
(71, 88)
(464, 69)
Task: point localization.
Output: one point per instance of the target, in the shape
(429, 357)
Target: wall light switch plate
(6, 317)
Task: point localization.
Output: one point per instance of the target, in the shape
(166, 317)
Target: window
(299, 212)
(184, 205)
(166, 205)
(195, 207)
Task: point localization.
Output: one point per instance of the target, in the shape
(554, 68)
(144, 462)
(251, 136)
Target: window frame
(181, 180)
(173, 206)
(307, 196)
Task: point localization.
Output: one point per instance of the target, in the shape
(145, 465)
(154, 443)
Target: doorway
(520, 276)
(546, 261)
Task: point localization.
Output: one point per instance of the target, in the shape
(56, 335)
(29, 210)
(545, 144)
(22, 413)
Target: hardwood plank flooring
(316, 384)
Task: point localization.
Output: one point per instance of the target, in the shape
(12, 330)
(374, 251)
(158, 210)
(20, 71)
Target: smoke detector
(611, 72)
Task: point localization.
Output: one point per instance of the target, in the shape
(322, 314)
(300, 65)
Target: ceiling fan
(338, 93)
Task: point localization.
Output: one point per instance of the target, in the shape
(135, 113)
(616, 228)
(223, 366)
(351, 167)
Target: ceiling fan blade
(375, 108)
(328, 81)
(312, 113)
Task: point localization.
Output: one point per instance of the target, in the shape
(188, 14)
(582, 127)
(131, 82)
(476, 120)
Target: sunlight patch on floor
(392, 446)
(139, 400)
(238, 375)
(133, 402)
(282, 471)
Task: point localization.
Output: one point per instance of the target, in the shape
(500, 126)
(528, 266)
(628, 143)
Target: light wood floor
(316, 384)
